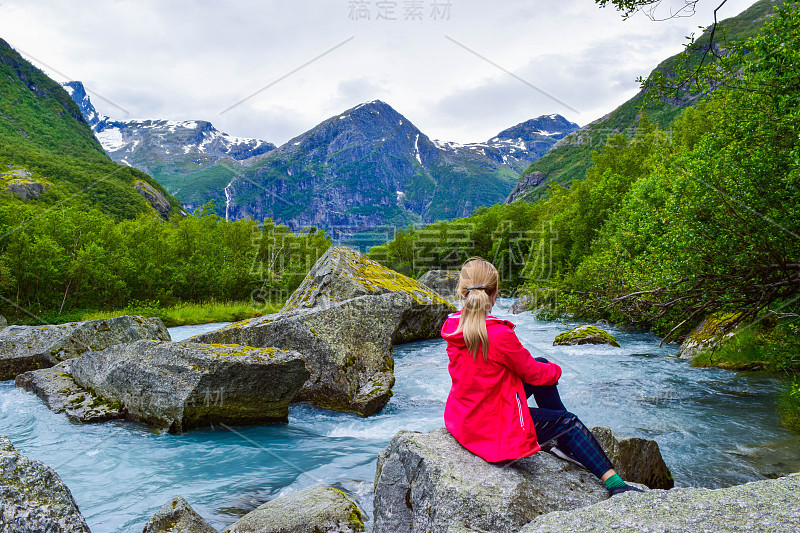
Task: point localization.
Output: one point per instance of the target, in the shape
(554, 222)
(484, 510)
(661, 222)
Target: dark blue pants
(552, 421)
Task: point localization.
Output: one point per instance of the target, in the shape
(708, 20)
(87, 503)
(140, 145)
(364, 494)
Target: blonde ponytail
(477, 284)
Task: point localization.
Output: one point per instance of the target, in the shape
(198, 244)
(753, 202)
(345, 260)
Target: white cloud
(192, 60)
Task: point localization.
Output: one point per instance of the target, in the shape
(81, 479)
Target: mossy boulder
(585, 335)
(347, 347)
(712, 331)
(24, 348)
(343, 273)
(313, 510)
(635, 459)
(178, 386)
(429, 482)
(445, 282)
(58, 390)
(3, 322)
(768, 505)
(33, 497)
(177, 516)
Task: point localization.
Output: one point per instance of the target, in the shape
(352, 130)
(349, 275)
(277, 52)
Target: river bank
(715, 428)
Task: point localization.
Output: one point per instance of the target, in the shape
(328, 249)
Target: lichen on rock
(24, 348)
(33, 497)
(312, 510)
(177, 516)
(585, 335)
(429, 482)
(58, 390)
(712, 331)
(768, 505)
(180, 386)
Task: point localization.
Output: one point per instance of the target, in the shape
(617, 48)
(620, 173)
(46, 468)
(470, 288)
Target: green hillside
(48, 153)
(571, 157)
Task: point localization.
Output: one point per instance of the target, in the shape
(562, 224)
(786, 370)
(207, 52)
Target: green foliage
(70, 259)
(570, 160)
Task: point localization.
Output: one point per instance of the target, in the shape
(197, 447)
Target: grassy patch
(181, 314)
(789, 404)
(774, 349)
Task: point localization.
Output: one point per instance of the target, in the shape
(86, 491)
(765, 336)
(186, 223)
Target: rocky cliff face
(371, 166)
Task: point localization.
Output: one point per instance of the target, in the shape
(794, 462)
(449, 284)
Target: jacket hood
(451, 325)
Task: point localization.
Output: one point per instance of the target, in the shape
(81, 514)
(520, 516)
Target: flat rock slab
(177, 516)
(343, 273)
(181, 385)
(772, 505)
(347, 347)
(33, 497)
(24, 348)
(428, 482)
(314, 510)
(58, 390)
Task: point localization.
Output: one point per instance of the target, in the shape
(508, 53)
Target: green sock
(614, 482)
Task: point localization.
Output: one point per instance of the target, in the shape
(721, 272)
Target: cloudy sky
(460, 70)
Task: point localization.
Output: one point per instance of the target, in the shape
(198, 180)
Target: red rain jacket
(487, 411)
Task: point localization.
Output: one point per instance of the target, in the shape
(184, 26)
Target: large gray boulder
(33, 498)
(58, 390)
(428, 482)
(24, 348)
(635, 459)
(445, 282)
(769, 505)
(177, 516)
(347, 347)
(180, 386)
(314, 510)
(344, 319)
(343, 273)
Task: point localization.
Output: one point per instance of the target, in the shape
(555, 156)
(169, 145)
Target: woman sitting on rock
(493, 376)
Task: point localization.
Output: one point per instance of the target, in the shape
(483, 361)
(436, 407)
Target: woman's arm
(514, 356)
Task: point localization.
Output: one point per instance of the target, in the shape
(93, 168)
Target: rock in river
(635, 459)
(343, 273)
(24, 348)
(445, 282)
(344, 319)
(585, 335)
(177, 516)
(314, 510)
(428, 482)
(347, 347)
(33, 497)
(180, 386)
(58, 390)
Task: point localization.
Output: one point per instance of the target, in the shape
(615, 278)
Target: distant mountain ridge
(191, 158)
(370, 166)
(366, 167)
